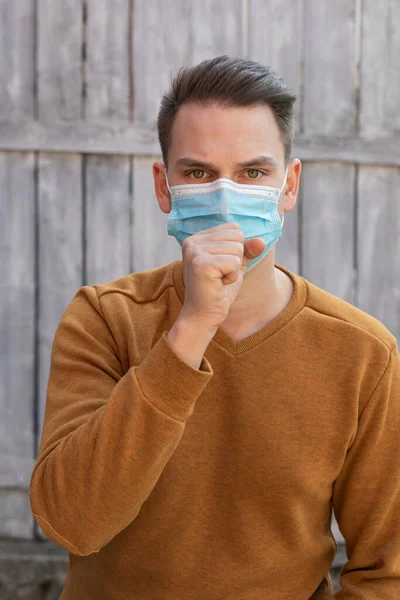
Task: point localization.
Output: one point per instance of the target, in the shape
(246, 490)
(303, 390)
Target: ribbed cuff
(169, 382)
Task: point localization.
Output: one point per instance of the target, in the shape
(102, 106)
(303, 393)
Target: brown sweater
(165, 482)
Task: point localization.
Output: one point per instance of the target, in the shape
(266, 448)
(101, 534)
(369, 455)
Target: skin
(223, 138)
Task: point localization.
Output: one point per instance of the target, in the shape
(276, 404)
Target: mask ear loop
(166, 181)
(280, 192)
(168, 188)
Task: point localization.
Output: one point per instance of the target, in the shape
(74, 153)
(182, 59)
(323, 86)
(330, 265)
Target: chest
(263, 425)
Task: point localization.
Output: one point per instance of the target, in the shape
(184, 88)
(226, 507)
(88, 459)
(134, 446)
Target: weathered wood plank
(59, 72)
(276, 40)
(328, 226)
(107, 185)
(152, 245)
(161, 46)
(111, 137)
(216, 29)
(17, 272)
(378, 231)
(330, 67)
(380, 69)
(17, 330)
(378, 245)
(16, 519)
(15, 471)
(60, 252)
(107, 60)
(108, 226)
(16, 64)
(281, 47)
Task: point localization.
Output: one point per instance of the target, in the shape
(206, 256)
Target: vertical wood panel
(380, 69)
(59, 73)
(107, 59)
(16, 64)
(328, 225)
(17, 271)
(16, 519)
(216, 29)
(276, 39)
(161, 46)
(107, 178)
(330, 67)
(378, 191)
(17, 332)
(108, 220)
(379, 245)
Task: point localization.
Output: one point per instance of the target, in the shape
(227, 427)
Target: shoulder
(139, 287)
(114, 301)
(346, 317)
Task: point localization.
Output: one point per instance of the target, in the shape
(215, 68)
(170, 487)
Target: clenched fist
(214, 261)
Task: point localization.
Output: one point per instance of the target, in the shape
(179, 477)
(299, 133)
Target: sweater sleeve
(366, 496)
(107, 435)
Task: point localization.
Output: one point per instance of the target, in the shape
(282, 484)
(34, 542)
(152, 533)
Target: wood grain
(107, 183)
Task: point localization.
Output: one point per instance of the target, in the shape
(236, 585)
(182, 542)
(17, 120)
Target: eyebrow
(259, 161)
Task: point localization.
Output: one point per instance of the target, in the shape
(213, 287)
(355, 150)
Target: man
(204, 417)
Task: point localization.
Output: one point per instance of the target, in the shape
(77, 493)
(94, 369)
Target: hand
(214, 261)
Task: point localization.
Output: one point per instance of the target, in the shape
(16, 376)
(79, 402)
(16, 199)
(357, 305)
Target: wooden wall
(80, 86)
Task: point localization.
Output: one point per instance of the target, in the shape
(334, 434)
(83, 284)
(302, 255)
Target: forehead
(223, 133)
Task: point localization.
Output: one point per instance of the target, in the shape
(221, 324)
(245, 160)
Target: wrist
(189, 339)
(196, 326)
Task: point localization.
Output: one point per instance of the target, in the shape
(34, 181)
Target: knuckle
(197, 262)
(239, 248)
(237, 260)
(188, 247)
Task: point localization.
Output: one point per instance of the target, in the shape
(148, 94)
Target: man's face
(240, 143)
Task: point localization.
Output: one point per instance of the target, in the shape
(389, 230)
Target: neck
(265, 292)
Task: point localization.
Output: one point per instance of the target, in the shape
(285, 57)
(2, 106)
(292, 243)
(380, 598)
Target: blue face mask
(254, 208)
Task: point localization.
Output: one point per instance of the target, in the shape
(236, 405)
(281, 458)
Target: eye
(253, 173)
(197, 173)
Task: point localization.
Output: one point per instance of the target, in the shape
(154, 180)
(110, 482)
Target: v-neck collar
(234, 347)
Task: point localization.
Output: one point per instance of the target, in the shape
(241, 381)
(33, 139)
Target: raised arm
(107, 435)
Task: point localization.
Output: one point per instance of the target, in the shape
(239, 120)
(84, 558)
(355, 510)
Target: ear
(160, 186)
(292, 184)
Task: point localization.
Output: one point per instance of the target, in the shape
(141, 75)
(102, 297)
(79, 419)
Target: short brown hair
(228, 81)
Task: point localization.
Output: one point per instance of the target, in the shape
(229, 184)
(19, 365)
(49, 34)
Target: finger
(253, 247)
(227, 235)
(234, 248)
(226, 265)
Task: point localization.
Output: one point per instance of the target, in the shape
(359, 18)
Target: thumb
(253, 247)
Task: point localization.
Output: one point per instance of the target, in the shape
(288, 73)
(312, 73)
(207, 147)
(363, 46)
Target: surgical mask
(254, 208)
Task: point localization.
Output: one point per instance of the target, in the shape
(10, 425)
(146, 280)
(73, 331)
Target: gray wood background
(80, 86)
